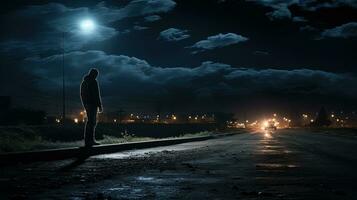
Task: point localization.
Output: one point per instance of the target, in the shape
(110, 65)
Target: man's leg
(90, 126)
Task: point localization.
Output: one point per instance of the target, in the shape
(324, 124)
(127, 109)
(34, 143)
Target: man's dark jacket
(90, 92)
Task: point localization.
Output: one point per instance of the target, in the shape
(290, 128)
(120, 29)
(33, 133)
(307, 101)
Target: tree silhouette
(222, 118)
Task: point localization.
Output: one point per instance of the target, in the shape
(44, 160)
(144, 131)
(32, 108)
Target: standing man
(90, 96)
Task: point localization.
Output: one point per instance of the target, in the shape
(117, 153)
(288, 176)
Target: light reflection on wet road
(282, 165)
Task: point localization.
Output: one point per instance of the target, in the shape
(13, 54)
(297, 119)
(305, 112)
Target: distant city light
(75, 120)
(265, 124)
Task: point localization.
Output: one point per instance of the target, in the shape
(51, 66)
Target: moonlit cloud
(347, 30)
(173, 34)
(62, 19)
(152, 18)
(218, 41)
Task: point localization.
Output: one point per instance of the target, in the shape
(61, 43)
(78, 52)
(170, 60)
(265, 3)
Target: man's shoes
(92, 143)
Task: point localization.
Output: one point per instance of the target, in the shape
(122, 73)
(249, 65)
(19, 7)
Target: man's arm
(98, 98)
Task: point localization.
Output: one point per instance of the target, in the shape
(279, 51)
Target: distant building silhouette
(322, 119)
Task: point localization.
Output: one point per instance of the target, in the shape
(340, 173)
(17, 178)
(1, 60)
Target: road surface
(288, 164)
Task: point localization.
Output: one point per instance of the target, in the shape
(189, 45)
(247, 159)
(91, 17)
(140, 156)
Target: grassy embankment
(28, 138)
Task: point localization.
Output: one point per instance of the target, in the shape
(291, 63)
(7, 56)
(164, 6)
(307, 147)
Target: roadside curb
(85, 152)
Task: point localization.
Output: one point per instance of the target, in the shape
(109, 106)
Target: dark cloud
(152, 18)
(261, 53)
(308, 28)
(173, 34)
(139, 28)
(130, 77)
(134, 8)
(344, 31)
(281, 8)
(299, 19)
(280, 12)
(218, 41)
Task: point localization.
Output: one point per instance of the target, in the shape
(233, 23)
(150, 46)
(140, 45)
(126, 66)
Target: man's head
(93, 73)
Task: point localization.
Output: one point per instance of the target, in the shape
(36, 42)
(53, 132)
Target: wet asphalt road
(288, 164)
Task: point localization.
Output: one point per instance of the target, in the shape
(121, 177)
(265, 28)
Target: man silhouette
(90, 96)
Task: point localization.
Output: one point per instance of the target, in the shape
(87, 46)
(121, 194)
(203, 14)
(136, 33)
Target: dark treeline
(19, 116)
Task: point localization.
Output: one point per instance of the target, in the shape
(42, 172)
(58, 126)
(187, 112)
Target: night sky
(183, 55)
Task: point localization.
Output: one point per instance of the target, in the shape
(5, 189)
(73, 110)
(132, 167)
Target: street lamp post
(63, 83)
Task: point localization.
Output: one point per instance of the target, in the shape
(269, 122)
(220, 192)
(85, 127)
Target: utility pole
(63, 84)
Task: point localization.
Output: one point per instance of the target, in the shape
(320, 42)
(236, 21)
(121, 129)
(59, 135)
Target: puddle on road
(144, 178)
(165, 185)
(273, 166)
(264, 151)
(146, 152)
(273, 147)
